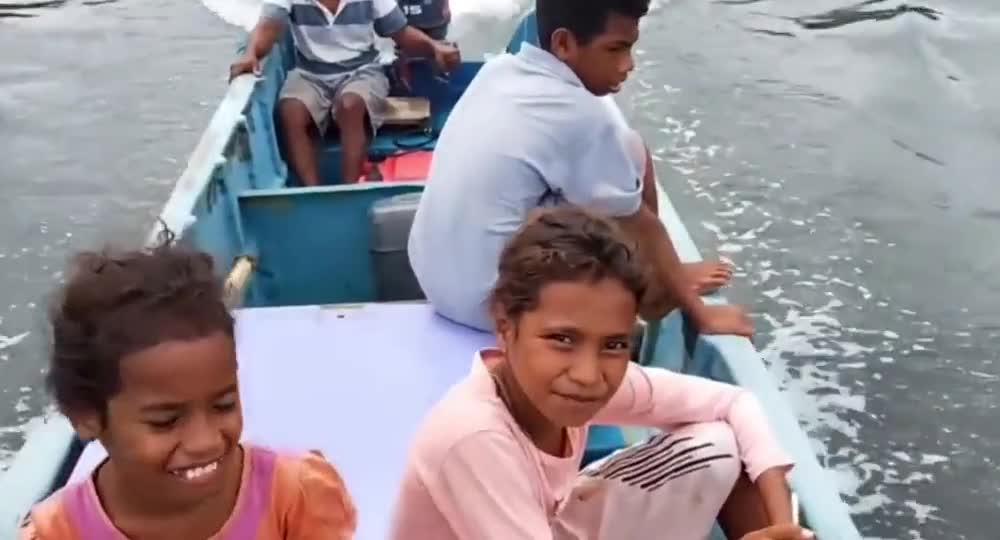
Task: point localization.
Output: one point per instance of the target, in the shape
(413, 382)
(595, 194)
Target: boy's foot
(709, 276)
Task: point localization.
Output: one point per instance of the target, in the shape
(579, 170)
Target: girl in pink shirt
(498, 457)
(144, 360)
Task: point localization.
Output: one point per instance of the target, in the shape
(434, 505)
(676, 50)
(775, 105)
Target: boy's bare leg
(357, 109)
(351, 115)
(300, 148)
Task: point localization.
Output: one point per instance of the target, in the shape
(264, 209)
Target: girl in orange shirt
(144, 361)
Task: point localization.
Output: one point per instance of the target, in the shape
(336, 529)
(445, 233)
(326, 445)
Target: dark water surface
(846, 160)
(100, 106)
(844, 157)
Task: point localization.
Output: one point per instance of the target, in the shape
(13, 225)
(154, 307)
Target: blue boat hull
(311, 247)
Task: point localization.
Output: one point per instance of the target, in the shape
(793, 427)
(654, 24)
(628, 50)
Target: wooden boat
(336, 351)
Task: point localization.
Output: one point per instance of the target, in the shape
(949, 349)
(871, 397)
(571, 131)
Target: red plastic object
(403, 167)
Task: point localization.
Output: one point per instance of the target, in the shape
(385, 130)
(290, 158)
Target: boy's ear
(563, 45)
(88, 425)
(503, 327)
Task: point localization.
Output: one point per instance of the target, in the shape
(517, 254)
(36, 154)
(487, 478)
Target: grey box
(391, 220)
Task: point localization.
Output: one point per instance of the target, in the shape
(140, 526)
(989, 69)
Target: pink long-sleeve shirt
(473, 474)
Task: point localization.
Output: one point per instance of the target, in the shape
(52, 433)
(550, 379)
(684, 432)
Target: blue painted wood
(526, 31)
(313, 243)
(602, 441)
(34, 472)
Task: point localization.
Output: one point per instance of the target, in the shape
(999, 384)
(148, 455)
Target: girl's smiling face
(564, 306)
(569, 354)
(174, 426)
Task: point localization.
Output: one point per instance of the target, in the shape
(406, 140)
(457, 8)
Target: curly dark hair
(116, 303)
(559, 245)
(586, 19)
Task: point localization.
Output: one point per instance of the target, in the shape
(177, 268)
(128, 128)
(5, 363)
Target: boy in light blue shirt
(531, 131)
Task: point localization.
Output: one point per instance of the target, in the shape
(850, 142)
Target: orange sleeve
(47, 521)
(320, 507)
(28, 531)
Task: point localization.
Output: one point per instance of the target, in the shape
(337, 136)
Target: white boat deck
(353, 382)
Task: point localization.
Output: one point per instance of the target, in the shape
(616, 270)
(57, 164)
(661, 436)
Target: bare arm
(264, 35)
(670, 285)
(668, 274)
(605, 180)
(650, 197)
(412, 40)
(776, 496)
(267, 31)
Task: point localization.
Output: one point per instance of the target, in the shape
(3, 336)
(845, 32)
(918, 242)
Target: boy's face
(175, 426)
(570, 353)
(605, 62)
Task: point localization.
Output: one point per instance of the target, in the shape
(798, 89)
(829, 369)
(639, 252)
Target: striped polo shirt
(330, 44)
(426, 14)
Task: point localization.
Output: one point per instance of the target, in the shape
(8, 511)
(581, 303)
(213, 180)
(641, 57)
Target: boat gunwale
(176, 215)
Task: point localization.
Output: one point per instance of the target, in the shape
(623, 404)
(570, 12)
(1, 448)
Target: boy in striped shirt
(336, 73)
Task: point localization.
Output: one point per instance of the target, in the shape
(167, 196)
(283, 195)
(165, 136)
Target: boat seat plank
(353, 382)
(407, 111)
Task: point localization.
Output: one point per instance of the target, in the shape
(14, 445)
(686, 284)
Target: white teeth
(197, 472)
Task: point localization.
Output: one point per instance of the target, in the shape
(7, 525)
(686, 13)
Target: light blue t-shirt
(525, 134)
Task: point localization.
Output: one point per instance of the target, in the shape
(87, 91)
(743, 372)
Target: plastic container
(391, 220)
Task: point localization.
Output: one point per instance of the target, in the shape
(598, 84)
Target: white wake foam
(244, 13)
(809, 350)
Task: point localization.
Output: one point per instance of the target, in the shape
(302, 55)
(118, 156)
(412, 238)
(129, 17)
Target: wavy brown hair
(560, 245)
(116, 303)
